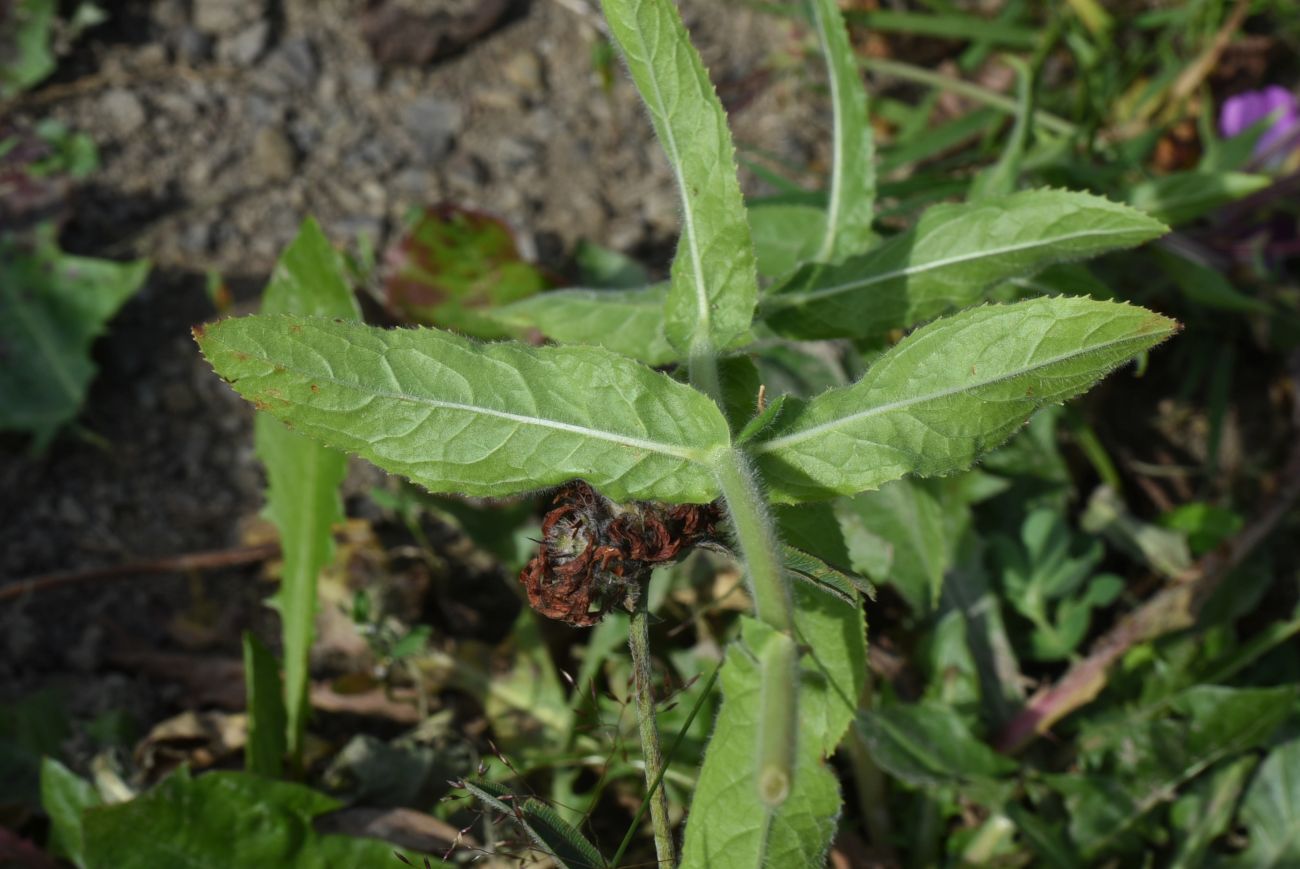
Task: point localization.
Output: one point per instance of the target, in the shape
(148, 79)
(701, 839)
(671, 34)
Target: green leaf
(1206, 286)
(26, 28)
(1203, 814)
(949, 392)
(948, 259)
(900, 534)
(52, 307)
(1185, 196)
(729, 826)
(542, 823)
(266, 747)
(714, 282)
(223, 819)
(607, 269)
(452, 266)
(829, 622)
(1000, 178)
(1270, 809)
(1153, 759)
(928, 744)
(852, 196)
(303, 477)
(629, 322)
(64, 796)
(786, 234)
(481, 419)
(1108, 515)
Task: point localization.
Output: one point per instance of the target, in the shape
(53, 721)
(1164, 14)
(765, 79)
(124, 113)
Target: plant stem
(703, 369)
(908, 72)
(756, 536)
(638, 641)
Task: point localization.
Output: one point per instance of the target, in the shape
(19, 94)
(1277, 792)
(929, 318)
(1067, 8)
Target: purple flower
(1243, 110)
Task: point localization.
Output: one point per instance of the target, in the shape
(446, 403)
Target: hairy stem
(779, 663)
(703, 368)
(643, 685)
(756, 537)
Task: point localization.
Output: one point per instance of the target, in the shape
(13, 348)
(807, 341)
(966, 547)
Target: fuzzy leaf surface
(948, 259)
(728, 825)
(629, 322)
(303, 477)
(851, 204)
(949, 392)
(714, 278)
(454, 415)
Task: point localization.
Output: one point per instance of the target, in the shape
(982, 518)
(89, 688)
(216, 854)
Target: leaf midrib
(835, 205)
(804, 434)
(702, 320)
(793, 299)
(687, 453)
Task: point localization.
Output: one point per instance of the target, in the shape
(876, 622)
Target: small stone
(273, 155)
(227, 16)
(193, 46)
(290, 67)
(362, 78)
(124, 111)
(152, 55)
(433, 123)
(246, 47)
(524, 71)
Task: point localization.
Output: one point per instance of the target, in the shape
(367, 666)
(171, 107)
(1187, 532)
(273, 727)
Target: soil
(221, 125)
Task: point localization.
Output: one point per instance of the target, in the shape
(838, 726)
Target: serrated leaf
(52, 307)
(714, 281)
(543, 825)
(806, 567)
(303, 477)
(454, 415)
(64, 796)
(1270, 810)
(223, 819)
(948, 259)
(728, 825)
(851, 202)
(761, 421)
(629, 322)
(949, 392)
(1185, 196)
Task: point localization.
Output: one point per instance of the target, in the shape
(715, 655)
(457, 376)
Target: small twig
(169, 564)
(643, 685)
(1173, 609)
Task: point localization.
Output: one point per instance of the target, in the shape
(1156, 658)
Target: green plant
(454, 415)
